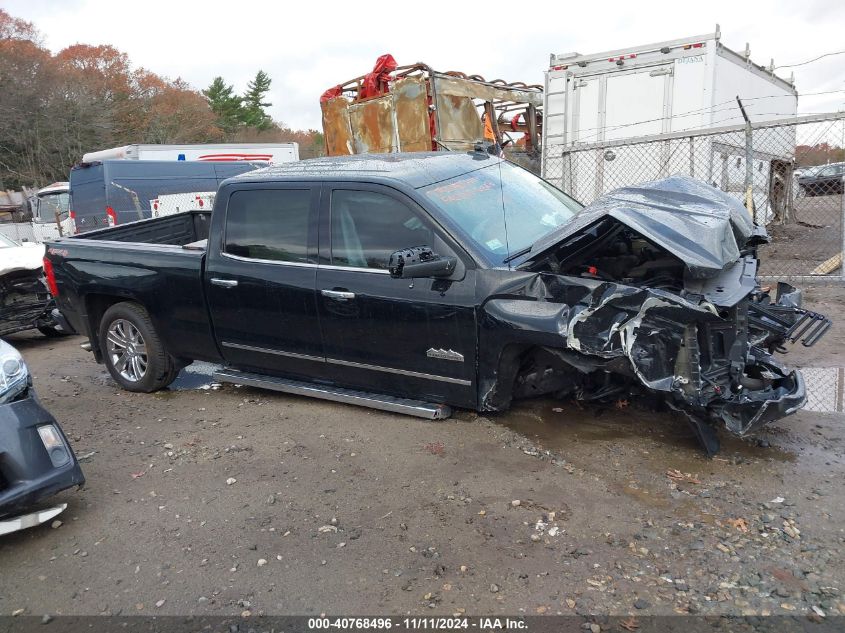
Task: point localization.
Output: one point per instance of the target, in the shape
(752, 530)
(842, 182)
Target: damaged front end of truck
(650, 291)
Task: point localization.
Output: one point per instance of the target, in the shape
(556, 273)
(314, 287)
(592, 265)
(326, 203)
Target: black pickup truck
(417, 282)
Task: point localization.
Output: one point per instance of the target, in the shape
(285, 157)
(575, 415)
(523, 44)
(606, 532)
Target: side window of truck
(368, 226)
(268, 224)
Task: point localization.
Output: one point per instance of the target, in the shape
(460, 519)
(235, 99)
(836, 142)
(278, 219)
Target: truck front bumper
(750, 410)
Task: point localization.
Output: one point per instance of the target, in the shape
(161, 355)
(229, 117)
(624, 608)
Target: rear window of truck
(268, 224)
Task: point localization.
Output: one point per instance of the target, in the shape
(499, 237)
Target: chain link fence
(825, 387)
(795, 168)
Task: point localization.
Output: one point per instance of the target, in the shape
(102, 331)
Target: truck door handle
(224, 283)
(340, 295)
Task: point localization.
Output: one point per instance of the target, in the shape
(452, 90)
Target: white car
(25, 302)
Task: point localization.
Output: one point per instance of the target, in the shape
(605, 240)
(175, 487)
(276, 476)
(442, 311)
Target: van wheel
(132, 351)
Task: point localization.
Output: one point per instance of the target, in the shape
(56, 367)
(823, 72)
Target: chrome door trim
(277, 352)
(355, 269)
(347, 363)
(257, 260)
(403, 372)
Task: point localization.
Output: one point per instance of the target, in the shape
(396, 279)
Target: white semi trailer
(274, 153)
(600, 110)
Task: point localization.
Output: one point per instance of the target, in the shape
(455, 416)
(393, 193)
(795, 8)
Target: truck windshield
(53, 206)
(502, 208)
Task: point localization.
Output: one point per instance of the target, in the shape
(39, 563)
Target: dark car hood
(702, 226)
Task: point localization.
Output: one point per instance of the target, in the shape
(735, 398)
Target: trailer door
(586, 110)
(585, 121)
(637, 104)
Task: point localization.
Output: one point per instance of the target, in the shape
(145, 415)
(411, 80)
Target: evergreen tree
(254, 103)
(227, 106)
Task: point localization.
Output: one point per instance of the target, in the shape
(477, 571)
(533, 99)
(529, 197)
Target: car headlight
(14, 376)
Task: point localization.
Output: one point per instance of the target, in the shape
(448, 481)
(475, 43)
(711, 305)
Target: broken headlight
(14, 376)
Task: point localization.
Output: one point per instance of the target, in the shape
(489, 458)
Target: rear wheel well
(96, 306)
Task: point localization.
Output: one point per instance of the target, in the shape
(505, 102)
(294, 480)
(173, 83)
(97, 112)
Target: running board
(416, 408)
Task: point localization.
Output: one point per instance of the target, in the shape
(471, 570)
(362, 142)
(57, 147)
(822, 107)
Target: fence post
(842, 232)
(749, 163)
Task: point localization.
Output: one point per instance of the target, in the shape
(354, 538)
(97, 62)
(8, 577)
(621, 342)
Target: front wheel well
(529, 371)
(502, 387)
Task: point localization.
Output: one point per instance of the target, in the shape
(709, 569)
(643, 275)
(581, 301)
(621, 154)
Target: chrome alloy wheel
(127, 350)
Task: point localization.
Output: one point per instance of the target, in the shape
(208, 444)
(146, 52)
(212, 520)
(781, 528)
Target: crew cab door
(409, 338)
(260, 279)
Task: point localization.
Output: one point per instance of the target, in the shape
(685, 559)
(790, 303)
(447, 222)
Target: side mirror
(420, 261)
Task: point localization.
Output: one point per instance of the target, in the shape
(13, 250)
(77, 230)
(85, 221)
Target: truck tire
(132, 351)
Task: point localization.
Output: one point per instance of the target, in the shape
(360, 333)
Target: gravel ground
(231, 500)
(815, 236)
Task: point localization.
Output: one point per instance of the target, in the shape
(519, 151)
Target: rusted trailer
(415, 108)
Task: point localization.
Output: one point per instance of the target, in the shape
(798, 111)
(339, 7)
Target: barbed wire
(707, 109)
(699, 131)
(810, 61)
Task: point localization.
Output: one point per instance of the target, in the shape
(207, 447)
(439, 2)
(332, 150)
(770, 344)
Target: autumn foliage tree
(819, 154)
(54, 108)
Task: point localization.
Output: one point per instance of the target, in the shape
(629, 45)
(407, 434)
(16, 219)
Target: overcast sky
(307, 47)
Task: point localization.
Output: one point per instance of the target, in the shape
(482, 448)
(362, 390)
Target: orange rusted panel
(410, 100)
(460, 123)
(336, 129)
(373, 130)
(477, 90)
(402, 119)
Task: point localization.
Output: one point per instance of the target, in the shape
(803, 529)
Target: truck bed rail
(178, 229)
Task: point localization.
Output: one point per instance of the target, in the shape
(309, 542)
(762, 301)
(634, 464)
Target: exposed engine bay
(654, 289)
(25, 301)
(610, 251)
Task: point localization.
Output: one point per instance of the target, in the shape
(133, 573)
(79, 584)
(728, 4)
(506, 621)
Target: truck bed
(157, 263)
(180, 229)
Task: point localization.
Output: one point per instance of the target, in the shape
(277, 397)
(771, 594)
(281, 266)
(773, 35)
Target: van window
(88, 197)
(368, 226)
(270, 224)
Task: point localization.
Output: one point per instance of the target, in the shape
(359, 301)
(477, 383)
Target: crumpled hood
(21, 258)
(702, 226)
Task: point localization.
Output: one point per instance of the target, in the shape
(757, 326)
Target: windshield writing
(502, 208)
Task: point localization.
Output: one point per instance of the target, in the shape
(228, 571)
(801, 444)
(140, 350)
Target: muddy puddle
(197, 375)
(563, 427)
(557, 426)
(653, 459)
